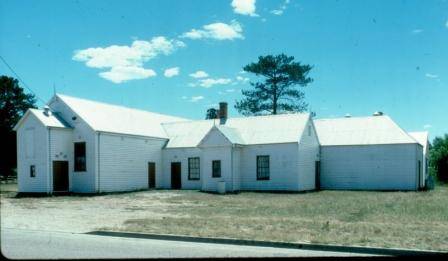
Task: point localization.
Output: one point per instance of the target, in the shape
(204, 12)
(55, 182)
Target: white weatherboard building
(84, 146)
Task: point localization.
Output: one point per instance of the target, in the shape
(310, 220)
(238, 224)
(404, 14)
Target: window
(32, 171)
(80, 156)
(262, 167)
(216, 168)
(309, 130)
(193, 168)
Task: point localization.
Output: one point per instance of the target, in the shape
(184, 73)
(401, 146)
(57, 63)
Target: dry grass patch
(385, 219)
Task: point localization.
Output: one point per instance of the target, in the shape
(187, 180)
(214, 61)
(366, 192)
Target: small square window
(216, 168)
(32, 171)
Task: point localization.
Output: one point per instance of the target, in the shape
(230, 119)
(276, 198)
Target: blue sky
(382, 55)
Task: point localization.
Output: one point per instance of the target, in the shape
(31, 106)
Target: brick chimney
(222, 113)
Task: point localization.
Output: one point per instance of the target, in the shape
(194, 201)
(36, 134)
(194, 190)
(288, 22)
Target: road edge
(260, 243)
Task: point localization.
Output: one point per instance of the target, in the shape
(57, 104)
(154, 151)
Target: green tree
(212, 113)
(13, 104)
(278, 91)
(438, 158)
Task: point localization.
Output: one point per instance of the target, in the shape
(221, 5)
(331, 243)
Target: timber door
(176, 175)
(317, 169)
(60, 176)
(151, 175)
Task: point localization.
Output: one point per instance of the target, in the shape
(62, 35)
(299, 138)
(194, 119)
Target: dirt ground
(82, 213)
(417, 220)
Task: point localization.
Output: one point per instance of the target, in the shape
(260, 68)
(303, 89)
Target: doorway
(151, 175)
(176, 175)
(60, 176)
(317, 169)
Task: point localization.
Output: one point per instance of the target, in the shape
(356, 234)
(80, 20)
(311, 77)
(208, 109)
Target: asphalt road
(32, 244)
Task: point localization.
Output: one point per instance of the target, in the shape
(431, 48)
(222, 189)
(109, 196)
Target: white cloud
(199, 74)
(171, 72)
(184, 97)
(446, 24)
(196, 98)
(244, 7)
(126, 62)
(427, 126)
(417, 31)
(230, 90)
(119, 74)
(217, 31)
(242, 79)
(432, 76)
(209, 82)
(281, 9)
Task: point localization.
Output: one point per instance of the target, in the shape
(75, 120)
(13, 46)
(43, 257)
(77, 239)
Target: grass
(383, 219)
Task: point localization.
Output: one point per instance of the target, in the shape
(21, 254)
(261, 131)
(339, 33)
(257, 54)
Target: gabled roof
(284, 128)
(230, 134)
(118, 119)
(360, 131)
(421, 137)
(51, 120)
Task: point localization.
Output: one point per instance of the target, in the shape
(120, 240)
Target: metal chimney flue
(47, 110)
(222, 113)
(378, 113)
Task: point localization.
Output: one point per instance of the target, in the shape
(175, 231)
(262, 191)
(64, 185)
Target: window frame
(259, 168)
(32, 171)
(76, 166)
(214, 174)
(190, 168)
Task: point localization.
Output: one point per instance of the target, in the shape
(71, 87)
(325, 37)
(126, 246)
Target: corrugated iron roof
(49, 120)
(360, 131)
(269, 129)
(118, 119)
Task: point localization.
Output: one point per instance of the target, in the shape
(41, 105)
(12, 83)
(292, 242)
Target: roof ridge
(243, 117)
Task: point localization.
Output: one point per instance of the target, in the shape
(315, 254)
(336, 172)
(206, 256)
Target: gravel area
(80, 214)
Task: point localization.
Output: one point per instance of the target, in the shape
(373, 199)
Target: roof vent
(347, 115)
(47, 110)
(378, 113)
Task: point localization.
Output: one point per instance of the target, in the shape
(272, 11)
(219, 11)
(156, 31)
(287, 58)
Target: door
(151, 175)
(176, 175)
(317, 169)
(60, 176)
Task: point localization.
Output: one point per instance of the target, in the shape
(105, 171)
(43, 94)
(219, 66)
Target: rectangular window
(309, 130)
(216, 168)
(194, 168)
(80, 156)
(262, 167)
(32, 171)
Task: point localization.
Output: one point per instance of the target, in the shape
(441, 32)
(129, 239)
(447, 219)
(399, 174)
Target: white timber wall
(123, 161)
(83, 182)
(181, 155)
(421, 175)
(308, 155)
(32, 149)
(236, 164)
(217, 153)
(61, 148)
(283, 162)
(369, 167)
